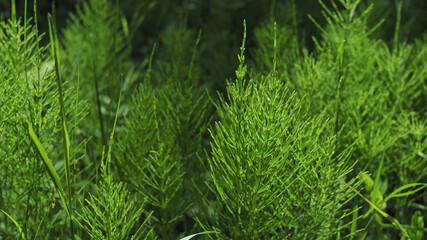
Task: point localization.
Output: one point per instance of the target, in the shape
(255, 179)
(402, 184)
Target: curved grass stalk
(49, 167)
(54, 43)
(393, 220)
(16, 224)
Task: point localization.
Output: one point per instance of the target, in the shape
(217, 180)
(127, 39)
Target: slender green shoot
(147, 76)
(393, 220)
(13, 10)
(16, 224)
(54, 43)
(397, 193)
(275, 50)
(194, 54)
(49, 167)
(241, 71)
(398, 19)
(339, 89)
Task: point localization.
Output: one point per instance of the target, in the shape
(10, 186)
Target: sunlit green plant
(112, 212)
(318, 139)
(94, 52)
(371, 92)
(35, 110)
(163, 141)
(274, 170)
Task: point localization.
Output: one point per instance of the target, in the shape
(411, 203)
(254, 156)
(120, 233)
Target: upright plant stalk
(398, 18)
(27, 82)
(55, 53)
(13, 10)
(275, 50)
(112, 72)
(147, 76)
(190, 69)
(32, 193)
(98, 102)
(241, 71)
(339, 87)
(116, 68)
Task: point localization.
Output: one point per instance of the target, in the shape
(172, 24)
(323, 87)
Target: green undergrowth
(325, 139)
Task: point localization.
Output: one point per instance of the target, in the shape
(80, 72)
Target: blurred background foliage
(150, 22)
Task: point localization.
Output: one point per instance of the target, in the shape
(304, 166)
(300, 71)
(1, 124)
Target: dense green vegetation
(135, 119)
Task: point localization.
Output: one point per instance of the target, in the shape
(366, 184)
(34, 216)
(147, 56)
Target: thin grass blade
(396, 193)
(49, 167)
(393, 220)
(16, 224)
(201, 233)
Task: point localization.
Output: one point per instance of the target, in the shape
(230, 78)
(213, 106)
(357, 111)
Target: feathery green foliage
(273, 167)
(94, 51)
(163, 136)
(378, 98)
(149, 157)
(113, 213)
(322, 134)
(30, 97)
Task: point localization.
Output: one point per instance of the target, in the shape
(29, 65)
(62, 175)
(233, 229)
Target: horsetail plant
(269, 178)
(163, 134)
(32, 105)
(112, 213)
(94, 48)
(376, 113)
(322, 134)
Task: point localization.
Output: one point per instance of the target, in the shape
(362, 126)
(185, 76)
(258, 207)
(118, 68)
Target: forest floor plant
(35, 114)
(274, 170)
(327, 141)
